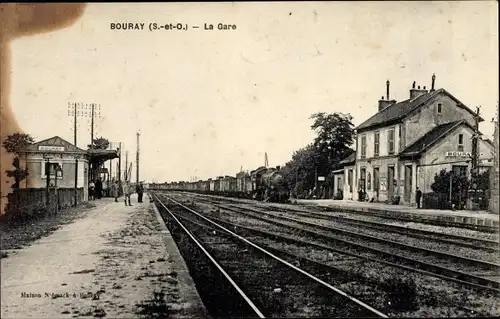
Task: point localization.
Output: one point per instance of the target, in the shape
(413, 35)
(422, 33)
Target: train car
(217, 184)
(248, 186)
(232, 185)
(227, 184)
(204, 186)
(241, 180)
(224, 184)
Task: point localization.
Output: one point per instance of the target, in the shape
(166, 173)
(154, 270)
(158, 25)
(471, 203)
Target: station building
(69, 157)
(60, 151)
(404, 144)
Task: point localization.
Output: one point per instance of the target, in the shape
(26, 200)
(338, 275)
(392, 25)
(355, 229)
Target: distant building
(404, 144)
(56, 150)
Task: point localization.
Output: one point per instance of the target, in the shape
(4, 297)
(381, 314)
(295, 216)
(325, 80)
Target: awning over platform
(102, 155)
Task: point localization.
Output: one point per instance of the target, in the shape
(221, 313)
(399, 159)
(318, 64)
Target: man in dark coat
(418, 196)
(98, 188)
(140, 191)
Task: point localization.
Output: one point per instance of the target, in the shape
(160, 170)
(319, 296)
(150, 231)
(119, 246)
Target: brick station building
(404, 144)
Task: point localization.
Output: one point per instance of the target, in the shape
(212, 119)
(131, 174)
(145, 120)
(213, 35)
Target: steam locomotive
(263, 184)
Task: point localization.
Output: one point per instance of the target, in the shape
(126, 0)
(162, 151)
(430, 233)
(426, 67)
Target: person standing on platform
(140, 191)
(127, 191)
(98, 188)
(418, 196)
(91, 190)
(114, 190)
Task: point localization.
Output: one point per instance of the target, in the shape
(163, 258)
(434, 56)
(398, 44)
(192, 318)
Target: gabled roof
(398, 111)
(55, 141)
(429, 139)
(349, 159)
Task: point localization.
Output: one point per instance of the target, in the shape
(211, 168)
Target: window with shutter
(363, 146)
(390, 141)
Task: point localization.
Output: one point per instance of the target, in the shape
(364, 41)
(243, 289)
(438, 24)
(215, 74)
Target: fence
(459, 200)
(32, 202)
(435, 201)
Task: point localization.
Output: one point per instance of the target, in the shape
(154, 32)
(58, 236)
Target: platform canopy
(97, 155)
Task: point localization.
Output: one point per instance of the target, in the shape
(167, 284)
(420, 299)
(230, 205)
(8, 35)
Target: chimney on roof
(416, 92)
(387, 91)
(383, 104)
(433, 82)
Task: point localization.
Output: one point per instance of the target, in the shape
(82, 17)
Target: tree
(100, 143)
(17, 173)
(335, 135)
(299, 171)
(459, 186)
(15, 144)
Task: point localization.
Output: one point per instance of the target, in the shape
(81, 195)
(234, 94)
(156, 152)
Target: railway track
(490, 246)
(463, 241)
(399, 218)
(259, 280)
(490, 254)
(401, 259)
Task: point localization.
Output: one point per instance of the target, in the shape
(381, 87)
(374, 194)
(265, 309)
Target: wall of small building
(430, 161)
(350, 192)
(338, 183)
(36, 171)
(427, 117)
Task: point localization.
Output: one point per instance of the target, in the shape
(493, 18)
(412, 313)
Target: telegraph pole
(92, 127)
(120, 163)
(93, 106)
(493, 185)
(76, 163)
(475, 154)
(137, 161)
(75, 111)
(126, 166)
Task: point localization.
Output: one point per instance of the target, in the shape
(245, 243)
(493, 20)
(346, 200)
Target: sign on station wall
(51, 148)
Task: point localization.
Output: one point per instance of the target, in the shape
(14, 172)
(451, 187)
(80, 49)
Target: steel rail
(481, 263)
(483, 281)
(493, 245)
(285, 238)
(418, 219)
(484, 244)
(240, 291)
(484, 264)
(360, 303)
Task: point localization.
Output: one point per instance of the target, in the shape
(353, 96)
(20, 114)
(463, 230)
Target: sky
(210, 102)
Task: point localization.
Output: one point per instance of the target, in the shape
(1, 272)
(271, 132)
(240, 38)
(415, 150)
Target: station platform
(115, 261)
(481, 218)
